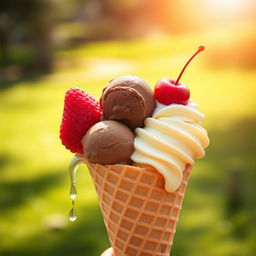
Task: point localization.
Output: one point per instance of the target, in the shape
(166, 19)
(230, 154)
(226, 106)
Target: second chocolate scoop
(108, 142)
(128, 99)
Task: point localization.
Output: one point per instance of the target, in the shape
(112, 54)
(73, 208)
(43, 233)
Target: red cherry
(168, 91)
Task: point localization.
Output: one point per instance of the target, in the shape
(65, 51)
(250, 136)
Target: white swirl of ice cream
(171, 139)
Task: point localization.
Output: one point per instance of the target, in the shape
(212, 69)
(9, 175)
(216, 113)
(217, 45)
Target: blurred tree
(235, 207)
(4, 21)
(36, 17)
(234, 192)
(40, 27)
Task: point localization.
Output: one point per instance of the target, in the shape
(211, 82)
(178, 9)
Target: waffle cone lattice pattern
(139, 214)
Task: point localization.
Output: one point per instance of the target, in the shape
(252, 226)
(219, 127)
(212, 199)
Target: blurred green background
(47, 46)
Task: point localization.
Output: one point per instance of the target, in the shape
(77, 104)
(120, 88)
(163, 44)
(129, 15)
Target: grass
(217, 219)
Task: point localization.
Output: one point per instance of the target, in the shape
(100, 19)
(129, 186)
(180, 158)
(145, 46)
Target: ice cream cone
(140, 216)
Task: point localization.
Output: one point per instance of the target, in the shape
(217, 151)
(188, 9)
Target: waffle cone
(140, 216)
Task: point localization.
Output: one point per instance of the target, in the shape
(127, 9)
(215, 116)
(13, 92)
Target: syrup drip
(75, 162)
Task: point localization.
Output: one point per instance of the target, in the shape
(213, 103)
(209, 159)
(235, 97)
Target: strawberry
(81, 111)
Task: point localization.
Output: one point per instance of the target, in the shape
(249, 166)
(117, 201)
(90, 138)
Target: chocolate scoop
(128, 99)
(108, 142)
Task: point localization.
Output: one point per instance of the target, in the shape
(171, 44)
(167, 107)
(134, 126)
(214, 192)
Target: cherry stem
(200, 49)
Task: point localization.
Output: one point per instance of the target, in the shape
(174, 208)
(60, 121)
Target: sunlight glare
(228, 7)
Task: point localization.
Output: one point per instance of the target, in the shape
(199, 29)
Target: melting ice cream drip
(75, 162)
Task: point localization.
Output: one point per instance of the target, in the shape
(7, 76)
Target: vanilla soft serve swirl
(170, 140)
